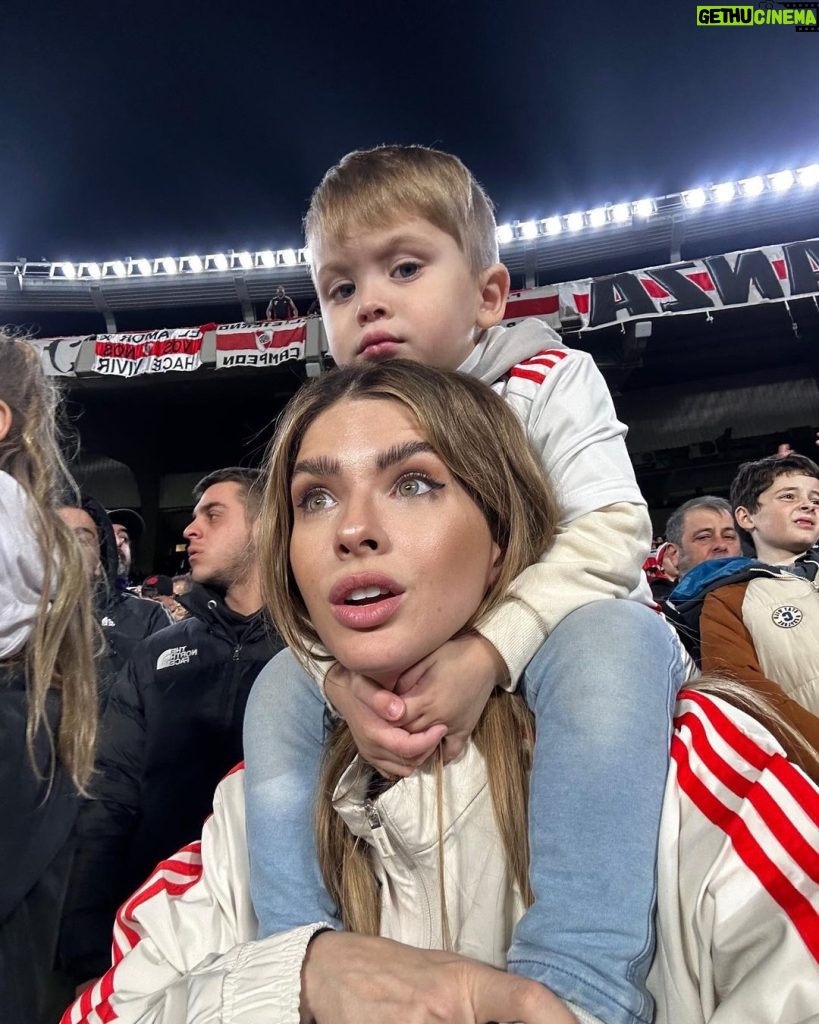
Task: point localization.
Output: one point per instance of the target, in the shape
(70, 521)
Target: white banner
(127, 355)
(267, 344)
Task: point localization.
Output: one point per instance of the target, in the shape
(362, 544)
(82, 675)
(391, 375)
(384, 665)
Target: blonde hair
(59, 652)
(370, 188)
(483, 445)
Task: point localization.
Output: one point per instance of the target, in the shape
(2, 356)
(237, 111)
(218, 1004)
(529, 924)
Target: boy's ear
(5, 419)
(494, 286)
(744, 518)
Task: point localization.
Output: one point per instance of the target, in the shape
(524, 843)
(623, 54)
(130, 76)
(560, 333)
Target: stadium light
(724, 192)
(752, 187)
(304, 255)
(528, 229)
(644, 208)
(220, 261)
(620, 213)
(195, 264)
(575, 221)
(244, 259)
(553, 225)
(119, 268)
(267, 258)
(809, 176)
(288, 257)
(144, 267)
(94, 270)
(694, 198)
(504, 234)
(598, 217)
(781, 181)
(169, 265)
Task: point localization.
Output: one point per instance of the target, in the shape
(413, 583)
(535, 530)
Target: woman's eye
(406, 270)
(315, 501)
(411, 486)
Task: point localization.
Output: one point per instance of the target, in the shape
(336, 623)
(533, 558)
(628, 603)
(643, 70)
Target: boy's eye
(406, 270)
(342, 291)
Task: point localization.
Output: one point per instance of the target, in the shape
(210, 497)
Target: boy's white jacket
(738, 913)
(605, 532)
(21, 567)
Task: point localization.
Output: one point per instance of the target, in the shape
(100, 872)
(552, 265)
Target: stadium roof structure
(134, 291)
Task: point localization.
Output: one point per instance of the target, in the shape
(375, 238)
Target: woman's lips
(379, 608)
(367, 616)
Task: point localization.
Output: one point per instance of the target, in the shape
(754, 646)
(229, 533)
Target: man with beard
(174, 722)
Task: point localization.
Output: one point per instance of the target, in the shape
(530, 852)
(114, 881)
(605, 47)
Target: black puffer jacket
(36, 845)
(172, 730)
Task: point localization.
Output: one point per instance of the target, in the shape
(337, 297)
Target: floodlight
(144, 267)
(553, 225)
(119, 268)
(504, 234)
(724, 192)
(781, 181)
(575, 221)
(220, 261)
(244, 259)
(194, 264)
(94, 270)
(598, 217)
(528, 229)
(620, 213)
(68, 270)
(304, 255)
(169, 265)
(268, 258)
(809, 176)
(288, 257)
(695, 198)
(644, 207)
(752, 187)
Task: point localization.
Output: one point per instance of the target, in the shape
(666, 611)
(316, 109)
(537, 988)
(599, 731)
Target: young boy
(760, 617)
(405, 261)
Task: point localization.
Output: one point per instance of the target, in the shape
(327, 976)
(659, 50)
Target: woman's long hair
(59, 652)
(483, 445)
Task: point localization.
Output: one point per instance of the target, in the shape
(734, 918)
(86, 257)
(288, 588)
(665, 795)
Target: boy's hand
(439, 698)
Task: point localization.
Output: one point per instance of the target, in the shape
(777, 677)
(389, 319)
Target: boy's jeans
(602, 688)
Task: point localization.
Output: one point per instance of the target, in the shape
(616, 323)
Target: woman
(47, 683)
(387, 529)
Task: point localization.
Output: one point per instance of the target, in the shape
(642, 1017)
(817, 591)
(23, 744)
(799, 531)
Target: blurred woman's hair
(59, 653)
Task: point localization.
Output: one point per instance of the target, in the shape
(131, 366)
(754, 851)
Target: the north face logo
(107, 621)
(175, 656)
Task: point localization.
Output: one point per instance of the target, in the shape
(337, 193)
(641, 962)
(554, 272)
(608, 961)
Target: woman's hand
(438, 699)
(347, 979)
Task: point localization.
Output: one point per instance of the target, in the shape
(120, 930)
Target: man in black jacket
(173, 727)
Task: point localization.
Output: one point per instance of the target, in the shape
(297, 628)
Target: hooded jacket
(172, 729)
(759, 624)
(39, 812)
(737, 916)
(125, 619)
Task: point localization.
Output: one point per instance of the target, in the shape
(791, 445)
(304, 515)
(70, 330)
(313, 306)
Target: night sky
(131, 129)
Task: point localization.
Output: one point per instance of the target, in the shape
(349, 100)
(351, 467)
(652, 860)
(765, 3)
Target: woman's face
(390, 554)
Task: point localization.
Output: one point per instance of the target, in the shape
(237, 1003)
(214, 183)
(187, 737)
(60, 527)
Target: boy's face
(404, 291)
(787, 517)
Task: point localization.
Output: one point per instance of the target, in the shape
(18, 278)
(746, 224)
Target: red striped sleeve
(709, 774)
(537, 367)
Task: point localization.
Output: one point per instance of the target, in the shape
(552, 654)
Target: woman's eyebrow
(399, 452)
(322, 465)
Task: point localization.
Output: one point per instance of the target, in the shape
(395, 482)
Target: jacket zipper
(379, 833)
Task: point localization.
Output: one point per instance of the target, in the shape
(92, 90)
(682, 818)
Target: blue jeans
(602, 688)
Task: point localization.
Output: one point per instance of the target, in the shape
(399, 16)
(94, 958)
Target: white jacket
(21, 567)
(738, 914)
(605, 532)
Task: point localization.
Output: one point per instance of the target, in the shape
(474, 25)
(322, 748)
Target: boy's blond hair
(370, 188)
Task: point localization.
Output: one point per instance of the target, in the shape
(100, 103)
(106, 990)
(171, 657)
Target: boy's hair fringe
(370, 188)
